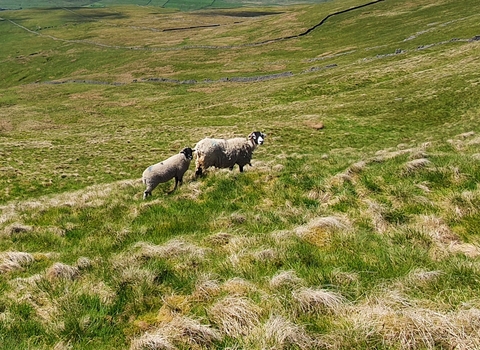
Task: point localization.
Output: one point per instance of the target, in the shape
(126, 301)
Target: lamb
(222, 153)
(173, 167)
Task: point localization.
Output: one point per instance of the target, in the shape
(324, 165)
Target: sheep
(173, 167)
(222, 153)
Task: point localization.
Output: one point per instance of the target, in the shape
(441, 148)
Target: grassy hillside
(361, 234)
(183, 5)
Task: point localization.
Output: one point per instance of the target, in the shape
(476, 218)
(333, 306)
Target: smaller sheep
(222, 153)
(173, 167)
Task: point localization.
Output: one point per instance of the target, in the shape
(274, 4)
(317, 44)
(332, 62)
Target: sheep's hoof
(146, 194)
(198, 172)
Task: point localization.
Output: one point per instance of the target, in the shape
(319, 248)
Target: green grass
(362, 234)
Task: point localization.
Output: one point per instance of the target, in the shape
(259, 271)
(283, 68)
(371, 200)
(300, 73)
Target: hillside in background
(355, 227)
(184, 5)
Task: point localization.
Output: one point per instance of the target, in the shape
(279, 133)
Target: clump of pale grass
(435, 228)
(422, 277)
(238, 286)
(318, 230)
(342, 277)
(267, 255)
(83, 263)
(235, 316)
(190, 332)
(206, 288)
(132, 274)
(311, 300)
(280, 333)
(416, 164)
(219, 239)
(285, 279)
(172, 249)
(357, 167)
(17, 228)
(152, 341)
(179, 329)
(62, 271)
(470, 250)
(401, 324)
(465, 203)
(465, 135)
(10, 261)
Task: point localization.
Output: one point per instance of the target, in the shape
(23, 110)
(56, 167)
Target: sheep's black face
(187, 152)
(258, 137)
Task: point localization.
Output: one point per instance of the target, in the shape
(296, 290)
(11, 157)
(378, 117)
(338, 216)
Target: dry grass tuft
(400, 324)
(83, 263)
(465, 135)
(219, 239)
(235, 316)
(151, 341)
(238, 286)
(190, 332)
(344, 278)
(286, 279)
(318, 300)
(416, 164)
(206, 288)
(132, 274)
(436, 229)
(62, 271)
(172, 249)
(318, 230)
(17, 228)
(470, 250)
(357, 167)
(179, 329)
(281, 333)
(422, 277)
(10, 261)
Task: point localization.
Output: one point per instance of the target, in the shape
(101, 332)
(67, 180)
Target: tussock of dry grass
(206, 288)
(318, 230)
(190, 332)
(357, 167)
(416, 164)
(376, 213)
(10, 261)
(136, 274)
(436, 229)
(62, 271)
(463, 204)
(238, 286)
(235, 316)
(420, 276)
(92, 196)
(402, 324)
(470, 250)
(344, 278)
(286, 279)
(152, 341)
(281, 333)
(172, 249)
(17, 228)
(219, 239)
(311, 300)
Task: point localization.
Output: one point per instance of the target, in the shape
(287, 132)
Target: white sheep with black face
(173, 167)
(225, 153)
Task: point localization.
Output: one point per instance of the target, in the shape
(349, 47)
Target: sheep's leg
(241, 168)
(231, 168)
(146, 194)
(198, 172)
